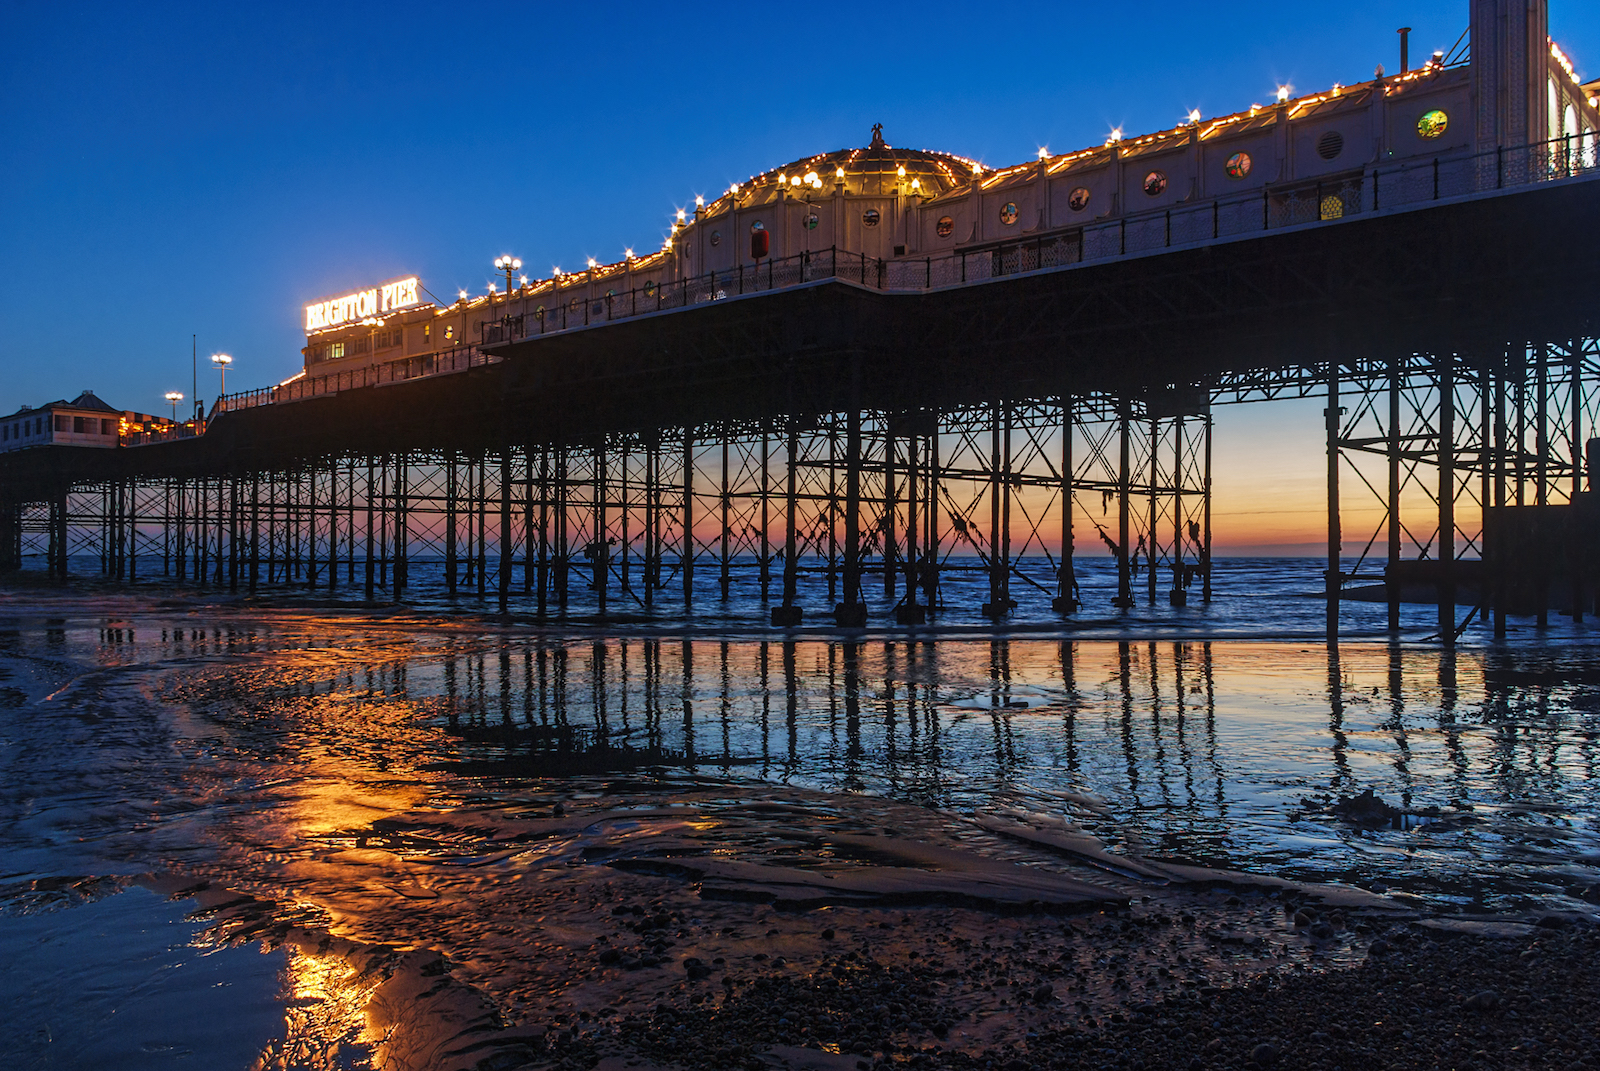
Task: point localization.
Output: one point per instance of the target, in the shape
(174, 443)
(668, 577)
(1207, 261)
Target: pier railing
(1411, 184)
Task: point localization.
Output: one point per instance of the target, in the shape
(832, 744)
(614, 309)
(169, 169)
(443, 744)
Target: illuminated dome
(878, 169)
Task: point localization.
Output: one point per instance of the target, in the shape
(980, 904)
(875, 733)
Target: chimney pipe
(1405, 48)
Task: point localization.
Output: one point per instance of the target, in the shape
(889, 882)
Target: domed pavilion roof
(874, 170)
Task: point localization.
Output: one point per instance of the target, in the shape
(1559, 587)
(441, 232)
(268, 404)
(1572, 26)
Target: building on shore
(84, 421)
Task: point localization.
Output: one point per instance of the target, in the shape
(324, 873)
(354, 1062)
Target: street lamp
(174, 397)
(222, 361)
(507, 264)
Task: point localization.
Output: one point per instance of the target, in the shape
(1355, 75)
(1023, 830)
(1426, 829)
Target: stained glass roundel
(871, 217)
(1008, 213)
(716, 237)
(1078, 199)
(1238, 165)
(1155, 183)
(945, 227)
(1432, 124)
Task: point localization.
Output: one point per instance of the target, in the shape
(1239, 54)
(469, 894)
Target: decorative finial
(877, 137)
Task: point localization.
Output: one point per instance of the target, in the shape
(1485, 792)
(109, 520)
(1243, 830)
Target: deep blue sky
(208, 169)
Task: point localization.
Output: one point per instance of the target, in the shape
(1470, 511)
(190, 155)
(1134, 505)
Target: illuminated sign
(361, 305)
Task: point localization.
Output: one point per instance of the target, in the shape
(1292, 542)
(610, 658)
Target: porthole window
(1238, 165)
(945, 227)
(1155, 183)
(716, 238)
(1432, 124)
(811, 221)
(650, 289)
(576, 304)
(870, 217)
(539, 312)
(1078, 199)
(1008, 213)
(757, 226)
(1330, 145)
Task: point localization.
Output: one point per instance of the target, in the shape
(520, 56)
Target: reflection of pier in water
(1089, 728)
(1223, 752)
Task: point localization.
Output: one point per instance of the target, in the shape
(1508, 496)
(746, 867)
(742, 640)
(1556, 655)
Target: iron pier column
(1447, 497)
(1333, 579)
(1498, 561)
(450, 522)
(1066, 600)
(1124, 599)
(602, 550)
(505, 529)
(789, 614)
(688, 519)
(1392, 578)
(852, 612)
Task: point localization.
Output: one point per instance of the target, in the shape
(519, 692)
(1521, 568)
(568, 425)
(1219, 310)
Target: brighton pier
(882, 366)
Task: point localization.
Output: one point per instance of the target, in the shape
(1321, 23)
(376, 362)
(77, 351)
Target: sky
(184, 178)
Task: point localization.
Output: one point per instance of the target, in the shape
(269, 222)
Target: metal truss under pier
(829, 437)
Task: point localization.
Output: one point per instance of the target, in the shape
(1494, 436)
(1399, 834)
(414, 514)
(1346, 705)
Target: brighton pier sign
(362, 305)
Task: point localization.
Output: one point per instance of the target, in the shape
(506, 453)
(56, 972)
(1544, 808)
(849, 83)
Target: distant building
(84, 421)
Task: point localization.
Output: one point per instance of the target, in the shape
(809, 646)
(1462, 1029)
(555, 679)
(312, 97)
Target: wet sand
(323, 787)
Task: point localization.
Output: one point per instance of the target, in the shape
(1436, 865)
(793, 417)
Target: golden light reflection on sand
(325, 1015)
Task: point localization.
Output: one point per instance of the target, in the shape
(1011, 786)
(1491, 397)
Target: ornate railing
(1411, 184)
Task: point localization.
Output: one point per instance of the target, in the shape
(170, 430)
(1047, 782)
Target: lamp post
(222, 361)
(507, 264)
(174, 397)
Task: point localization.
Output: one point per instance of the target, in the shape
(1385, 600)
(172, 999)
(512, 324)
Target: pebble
(1264, 1055)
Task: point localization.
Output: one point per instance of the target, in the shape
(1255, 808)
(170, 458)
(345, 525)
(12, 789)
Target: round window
(1155, 183)
(576, 304)
(1078, 199)
(1432, 124)
(716, 237)
(1237, 167)
(811, 221)
(757, 226)
(945, 227)
(871, 217)
(539, 312)
(1330, 145)
(1008, 213)
(650, 288)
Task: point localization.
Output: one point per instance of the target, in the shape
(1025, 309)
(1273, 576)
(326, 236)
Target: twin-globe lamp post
(174, 397)
(507, 264)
